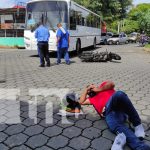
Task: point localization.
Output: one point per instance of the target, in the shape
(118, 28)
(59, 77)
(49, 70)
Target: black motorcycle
(89, 56)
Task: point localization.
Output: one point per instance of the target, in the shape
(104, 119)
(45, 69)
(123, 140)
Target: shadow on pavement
(117, 62)
(72, 54)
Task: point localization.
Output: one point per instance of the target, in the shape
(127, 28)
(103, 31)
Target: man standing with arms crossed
(42, 35)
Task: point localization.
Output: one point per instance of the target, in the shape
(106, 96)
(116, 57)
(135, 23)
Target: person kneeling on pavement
(116, 108)
(73, 105)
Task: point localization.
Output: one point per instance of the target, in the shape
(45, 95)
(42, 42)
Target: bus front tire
(94, 43)
(78, 47)
(105, 42)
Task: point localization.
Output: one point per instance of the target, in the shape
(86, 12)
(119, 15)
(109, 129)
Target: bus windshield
(50, 13)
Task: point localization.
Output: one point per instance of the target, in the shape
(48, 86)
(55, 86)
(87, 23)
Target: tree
(111, 10)
(141, 15)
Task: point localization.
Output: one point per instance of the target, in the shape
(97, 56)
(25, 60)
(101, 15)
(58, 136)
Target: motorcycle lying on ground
(89, 56)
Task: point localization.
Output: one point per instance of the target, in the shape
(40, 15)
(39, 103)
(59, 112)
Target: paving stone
(3, 127)
(144, 103)
(3, 136)
(144, 118)
(22, 147)
(71, 123)
(140, 107)
(37, 141)
(91, 133)
(97, 143)
(16, 140)
(66, 148)
(52, 131)
(33, 130)
(147, 135)
(146, 112)
(3, 119)
(15, 129)
(2, 105)
(79, 143)
(71, 132)
(44, 124)
(3, 111)
(41, 115)
(58, 142)
(148, 107)
(74, 119)
(24, 108)
(100, 124)
(29, 122)
(147, 142)
(83, 123)
(93, 117)
(127, 148)
(108, 135)
(3, 147)
(57, 117)
(44, 148)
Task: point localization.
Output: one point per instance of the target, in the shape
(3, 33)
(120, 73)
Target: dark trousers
(117, 110)
(44, 53)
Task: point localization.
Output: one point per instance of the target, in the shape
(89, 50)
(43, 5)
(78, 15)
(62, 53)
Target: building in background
(12, 25)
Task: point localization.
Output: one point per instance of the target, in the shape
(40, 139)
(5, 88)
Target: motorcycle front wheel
(114, 56)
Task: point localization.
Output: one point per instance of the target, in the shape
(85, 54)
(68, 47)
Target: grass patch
(147, 46)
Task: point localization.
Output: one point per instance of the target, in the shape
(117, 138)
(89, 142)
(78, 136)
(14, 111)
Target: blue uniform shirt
(42, 34)
(63, 43)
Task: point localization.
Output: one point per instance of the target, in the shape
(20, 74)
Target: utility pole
(118, 27)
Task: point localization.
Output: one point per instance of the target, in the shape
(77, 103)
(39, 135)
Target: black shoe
(68, 63)
(48, 65)
(42, 65)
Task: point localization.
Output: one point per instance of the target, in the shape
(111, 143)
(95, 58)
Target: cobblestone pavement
(19, 69)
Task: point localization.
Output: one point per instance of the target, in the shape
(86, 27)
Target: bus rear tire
(94, 43)
(78, 47)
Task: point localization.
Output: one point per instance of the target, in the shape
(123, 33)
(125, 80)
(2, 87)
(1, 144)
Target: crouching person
(73, 105)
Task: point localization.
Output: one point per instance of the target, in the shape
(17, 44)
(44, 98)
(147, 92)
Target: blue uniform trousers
(63, 51)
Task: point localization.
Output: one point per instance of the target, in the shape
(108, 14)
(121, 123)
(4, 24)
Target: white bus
(84, 26)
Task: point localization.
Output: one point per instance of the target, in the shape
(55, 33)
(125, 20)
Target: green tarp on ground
(12, 42)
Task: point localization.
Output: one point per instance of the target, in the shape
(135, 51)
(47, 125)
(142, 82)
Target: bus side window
(79, 18)
(88, 20)
(83, 22)
(72, 20)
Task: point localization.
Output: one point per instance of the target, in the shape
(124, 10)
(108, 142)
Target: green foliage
(109, 9)
(114, 11)
(130, 26)
(141, 15)
(147, 46)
